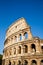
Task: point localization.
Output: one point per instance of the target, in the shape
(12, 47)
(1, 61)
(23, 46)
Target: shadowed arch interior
(42, 48)
(19, 62)
(9, 62)
(25, 62)
(25, 48)
(41, 62)
(14, 62)
(33, 62)
(33, 47)
(19, 50)
(20, 37)
(26, 35)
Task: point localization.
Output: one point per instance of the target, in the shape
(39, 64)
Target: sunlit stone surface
(20, 47)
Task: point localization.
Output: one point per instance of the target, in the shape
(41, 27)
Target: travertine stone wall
(20, 47)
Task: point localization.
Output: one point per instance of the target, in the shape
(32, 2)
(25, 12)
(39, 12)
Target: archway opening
(25, 62)
(20, 37)
(26, 35)
(14, 62)
(19, 62)
(34, 62)
(42, 48)
(41, 62)
(16, 38)
(19, 50)
(25, 48)
(33, 47)
(9, 63)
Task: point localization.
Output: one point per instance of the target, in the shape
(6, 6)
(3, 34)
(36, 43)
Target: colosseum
(20, 46)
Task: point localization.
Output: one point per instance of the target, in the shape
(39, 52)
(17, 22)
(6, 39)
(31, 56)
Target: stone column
(16, 63)
(29, 62)
(23, 38)
(18, 38)
(22, 50)
(8, 52)
(6, 62)
(29, 35)
(38, 62)
(37, 47)
(13, 39)
(12, 62)
(12, 50)
(17, 50)
(29, 48)
(10, 41)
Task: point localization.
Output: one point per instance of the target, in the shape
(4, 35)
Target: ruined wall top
(16, 26)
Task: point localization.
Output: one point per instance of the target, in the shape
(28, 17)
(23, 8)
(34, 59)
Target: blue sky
(11, 10)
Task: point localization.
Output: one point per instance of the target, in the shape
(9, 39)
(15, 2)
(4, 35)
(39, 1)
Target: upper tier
(16, 26)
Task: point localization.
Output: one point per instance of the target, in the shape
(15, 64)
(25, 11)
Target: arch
(41, 62)
(25, 62)
(19, 50)
(15, 38)
(19, 62)
(42, 48)
(9, 62)
(25, 48)
(33, 47)
(26, 35)
(33, 62)
(20, 37)
(13, 62)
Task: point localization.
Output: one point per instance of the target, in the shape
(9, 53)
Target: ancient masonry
(20, 47)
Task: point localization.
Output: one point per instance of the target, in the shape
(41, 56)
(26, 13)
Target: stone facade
(20, 47)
